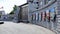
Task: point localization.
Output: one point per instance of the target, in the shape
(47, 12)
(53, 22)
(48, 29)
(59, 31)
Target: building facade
(23, 13)
(7, 17)
(45, 13)
(2, 13)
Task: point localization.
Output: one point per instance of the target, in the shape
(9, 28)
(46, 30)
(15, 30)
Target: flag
(38, 16)
(48, 16)
(32, 16)
(45, 16)
(41, 16)
(54, 19)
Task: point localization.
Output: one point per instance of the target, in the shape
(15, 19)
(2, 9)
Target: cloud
(8, 4)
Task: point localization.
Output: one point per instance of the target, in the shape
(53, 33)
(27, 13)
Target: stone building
(23, 13)
(7, 17)
(2, 13)
(37, 10)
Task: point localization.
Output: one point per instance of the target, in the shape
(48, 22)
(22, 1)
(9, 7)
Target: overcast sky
(8, 4)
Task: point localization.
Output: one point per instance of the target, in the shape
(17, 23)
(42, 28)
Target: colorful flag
(48, 16)
(45, 16)
(54, 19)
(41, 15)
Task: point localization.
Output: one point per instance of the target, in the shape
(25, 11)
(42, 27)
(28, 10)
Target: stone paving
(22, 28)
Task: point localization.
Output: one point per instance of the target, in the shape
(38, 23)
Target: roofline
(23, 4)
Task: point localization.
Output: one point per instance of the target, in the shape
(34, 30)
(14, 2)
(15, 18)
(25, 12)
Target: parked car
(1, 22)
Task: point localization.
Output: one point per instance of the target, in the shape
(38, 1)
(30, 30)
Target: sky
(8, 4)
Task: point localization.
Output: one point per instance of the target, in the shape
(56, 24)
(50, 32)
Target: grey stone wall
(58, 17)
(23, 13)
(49, 25)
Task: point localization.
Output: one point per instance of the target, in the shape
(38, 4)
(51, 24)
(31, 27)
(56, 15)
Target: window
(36, 5)
(36, 2)
(31, 1)
(46, 1)
(41, 3)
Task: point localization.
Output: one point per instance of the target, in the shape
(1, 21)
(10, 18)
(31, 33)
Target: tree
(0, 15)
(12, 12)
(14, 8)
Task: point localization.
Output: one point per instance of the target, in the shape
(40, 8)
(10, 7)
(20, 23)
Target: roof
(23, 4)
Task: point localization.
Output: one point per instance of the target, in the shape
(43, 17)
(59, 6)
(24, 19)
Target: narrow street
(21, 28)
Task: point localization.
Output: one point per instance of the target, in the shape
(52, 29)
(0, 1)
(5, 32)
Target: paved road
(21, 28)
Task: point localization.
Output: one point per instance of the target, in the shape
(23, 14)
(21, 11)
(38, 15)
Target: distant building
(7, 17)
(2, 13)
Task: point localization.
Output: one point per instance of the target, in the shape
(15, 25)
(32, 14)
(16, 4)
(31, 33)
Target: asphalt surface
(22, 28)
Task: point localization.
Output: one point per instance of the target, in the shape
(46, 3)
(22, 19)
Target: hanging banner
(41, 16)
(54, 19)
(48, 15)
(36, 16)
(33, 16)
(45, 16)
